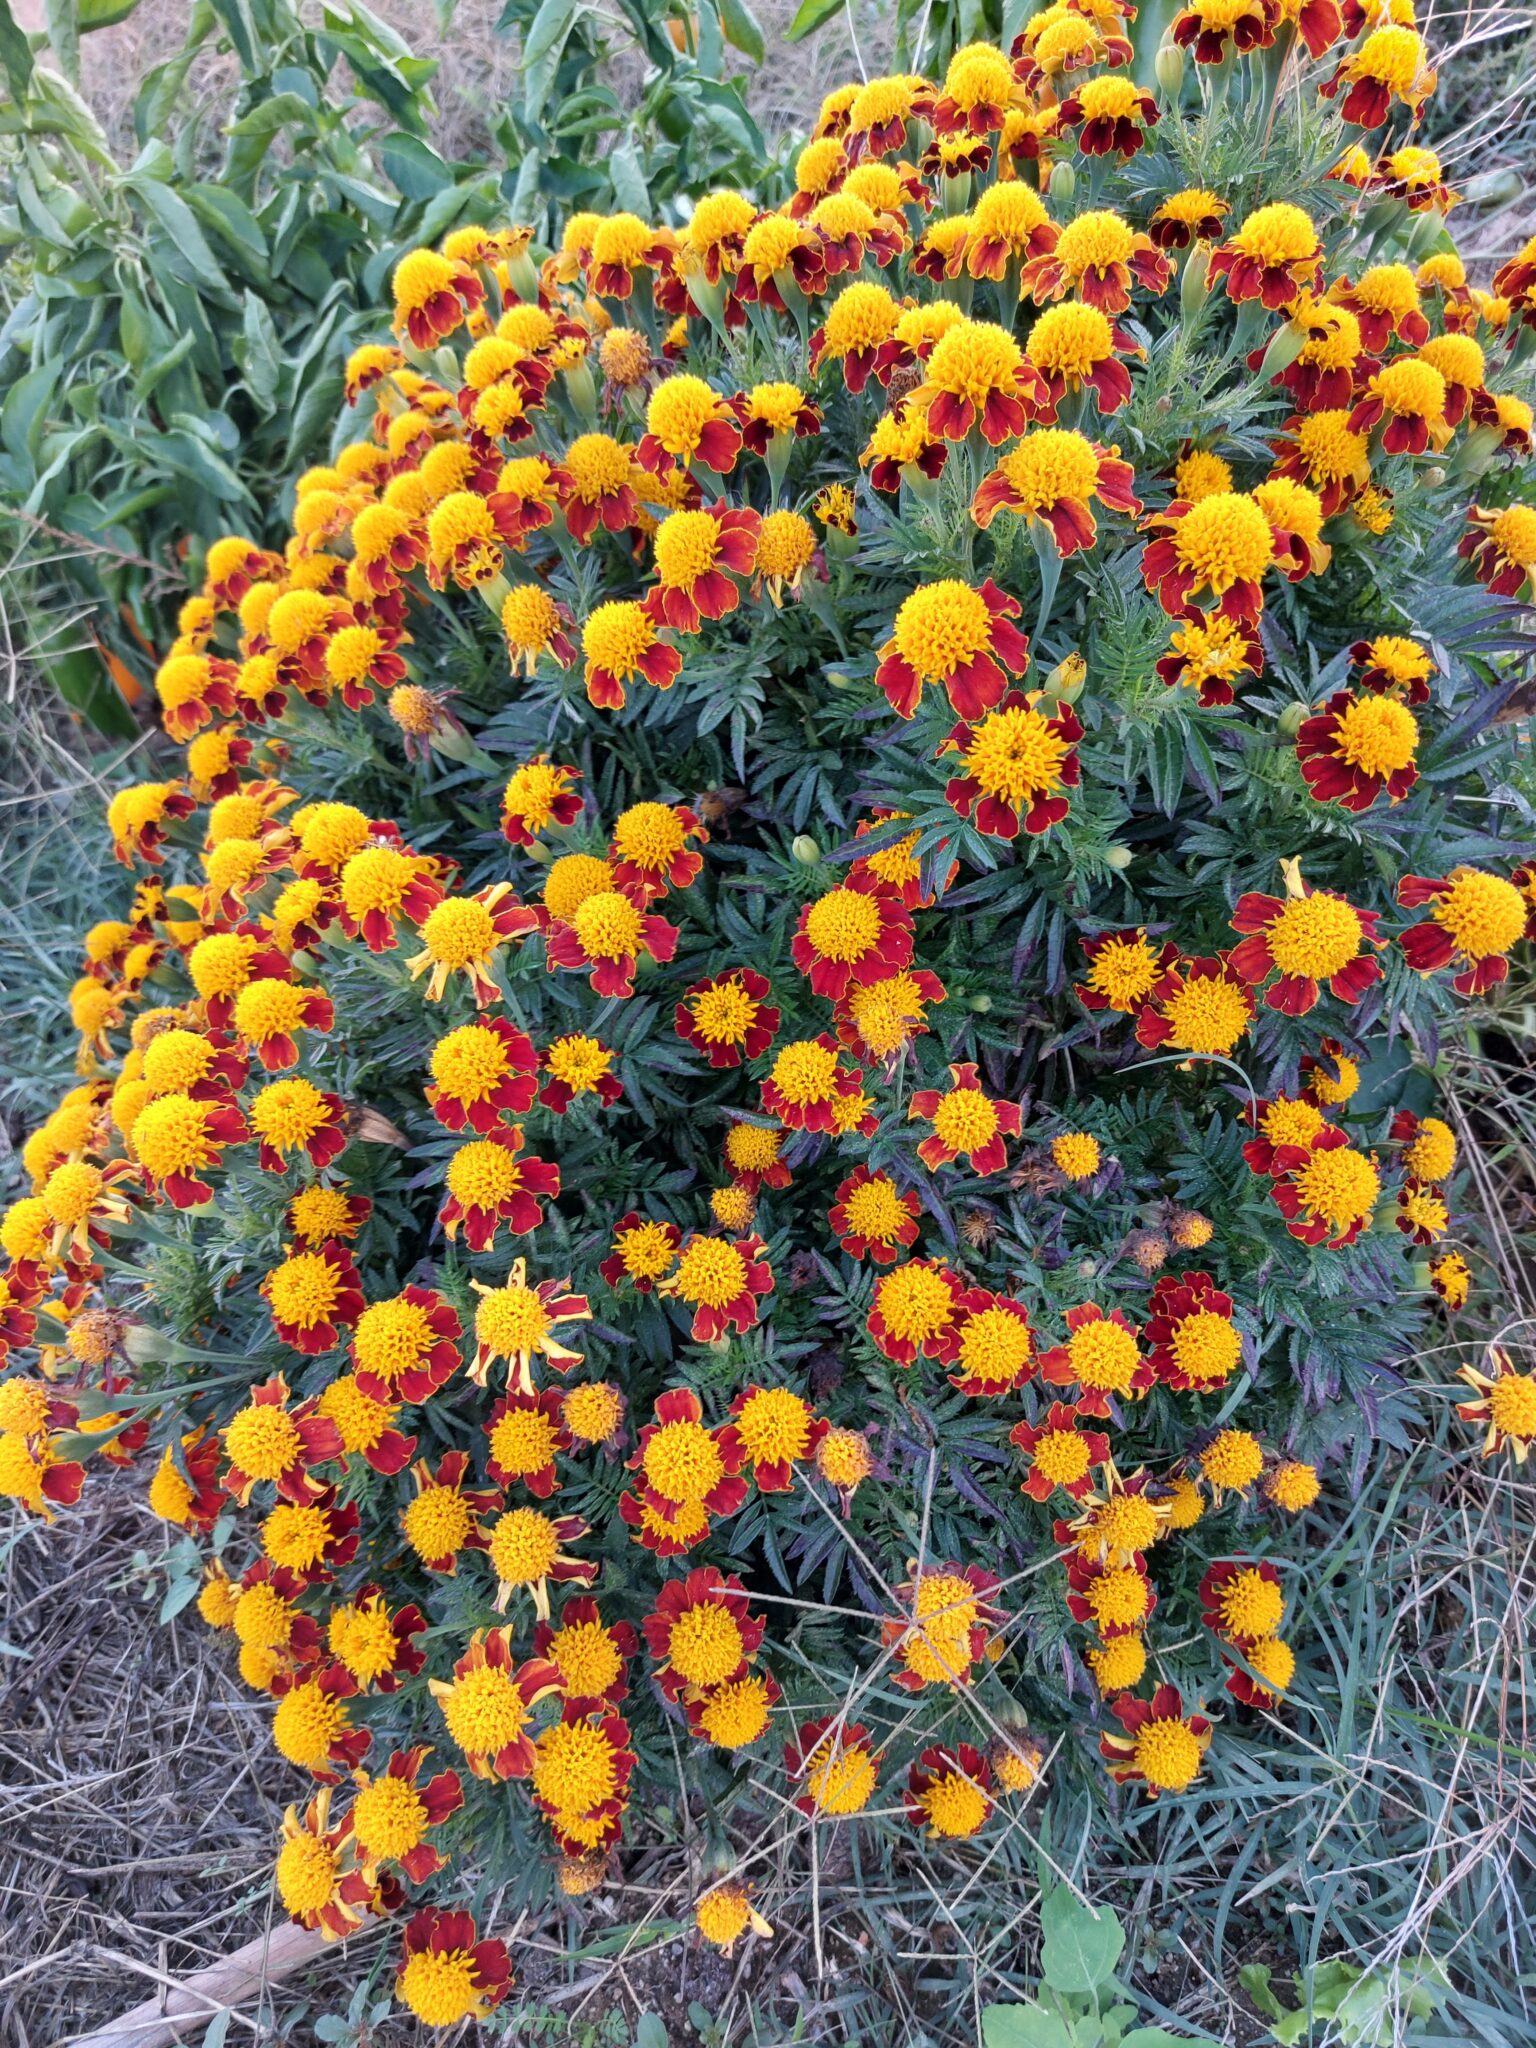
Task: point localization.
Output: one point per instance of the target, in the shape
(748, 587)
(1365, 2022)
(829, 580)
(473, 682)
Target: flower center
(1339, 1186)
(574, 1769)
(876, 1211)
(1316, 935)
(363, 1638)
(1208, 1015)
(646, 1251)
(263, 1441)
(649, 835)
(686, 545)
(679, 411)
(598, 467)
(511, 1321)
(1223, 540)
(705, 1645)
(376, 879)
(1484, 914)
(303, 1290)
(1206, 1346)
(439, 1986)
(388, 1818)
(587, 1659)
(1278, 236)
(975, 359)
(1070, 341)
(954, 1805)
(1104, 1356)
(1167, 1754)
(1118, 1597)
(1251, 1605)
(481, 1175)
(995, 1346)
(710, 1273)
(915, 1303)
(682, 1463)
(436, 1522)
(306, 1723)
(1514, 534)
(524, 1545)
(1512, 1404)
(843, 925)
(1016, 755)
(805, 1072)
(1052, 466)
(393, 1336)
(306, 1874)
(723, 1013)
(965, 1120)
(288, 1112)
(608, 926)
(457, 931)
(470, 1063)
(1062, 1456)
(774, 1424)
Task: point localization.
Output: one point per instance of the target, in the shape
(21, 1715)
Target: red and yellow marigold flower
(807, 1083)
(138, 819)
(538, 794)
(595, 482)
(1193, 1342)
(1186, 217)
(1224, 546)
(605, 936)
(381, 885)
(1101, 1358)
(948, 1792)
(317, 1874)
(1116, 1598)
(406, 1348)
(650, 853)
(836, 1763)
(1198, 1007)
(1075, 348)
(313, 1296)
(701, 1632)
(581, 1774)
(1356, 747)
(858, 932)
(1242, 1599)
(578, 1065)
(1123, 970)
(697, 555)
(464, 935)
(1015, 763)
(1009, 224)
(1451, 1278)
(432, 296)
(914, 1310)
(1273, 1666)
(878, 1020)
(367, 1426)
(447, 1975)
(1475, 921)
(296, 1116)
(1390, 64)
(489, 1184)
(313, 1726)
(1306, 938)
(687, 423)
(267, 1441)
(1332, 1197)
(482, 1073)
(1393, 665)
(1158, 1745)
(591, 1656)
(685, 1468)
(1098, 256)
(873, 1218)
(644, 1251)
(1428, 1146)
(1111, 116)
(176, 1139)
(444, 1516)
(990, 1346)
(1059, 1452)
(1051, 475)
(1120, 1524)
(728, 1017)
(1273, 256)
(1209, 26)
(775, 1429)
(393, 1812)
(945, 1626)
(375, 1644)
(1501, 546)
(967, 1123)
(1504, 1405)
(517, 1321)
(721, 1281)
(528, 1553)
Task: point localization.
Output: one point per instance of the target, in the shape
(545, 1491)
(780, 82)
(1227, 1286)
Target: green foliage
(1081, 2003)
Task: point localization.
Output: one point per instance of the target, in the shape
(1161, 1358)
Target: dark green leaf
(809, 16)
(418, 171)
(1080, 1948)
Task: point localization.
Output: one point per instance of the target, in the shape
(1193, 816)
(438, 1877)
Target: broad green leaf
(1155, 2037)
(81, 679)
(26, 409)
(231, 219)
(259, 353)
(102, 13)
(1080, 1948)
(15, 53)
(179, 223)
(630, 192)
(809, 16)
(64, 36)
(650, 2031)
(283, 110)
(1023, 2026)
(742, 29)
(417, 170)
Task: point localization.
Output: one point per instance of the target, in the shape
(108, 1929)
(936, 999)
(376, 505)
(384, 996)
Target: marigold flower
(873, 1218)
(33, 1474)
(914, 1309)
(650, 852)
(685, 1467)
(721, 1282)
(1331, 1197)
(620, 644)
(1198, 1007)
(1356, 747)
(1015, 762)
(776, 1429)
(176, 1139)
(945, 1627)
(1306, 938)
(482, 1073)
(1059, 1453)
(605, 936)
(366, 1424)
(948, 1792)
(1473, 917)
(406, 1348)
(1051, 475)
(1391, 64)
(1501, 546)
(643, 1252)
(1186, 217)
(834, 1761)
(464, 934)
(1272, 256)
(1111, 116)
(1101, 1358)
(701, 1632)
(687, 423)
(1123, 970)
(857, 932)
(379, 886)
(1504, 1405)
(697, 553)
(296, 1116)
(318, 1212)
(266, 1440)
(990, 1346)
(446, 1975)
(515, 1321)
(1393, 666)
(488, 1185)
(807, 1081)
(727, 1018)
(1161, 1746)
(432, 296)
(1224, 545)
(1451, 1278)
(966, 1123)
(313, 1296)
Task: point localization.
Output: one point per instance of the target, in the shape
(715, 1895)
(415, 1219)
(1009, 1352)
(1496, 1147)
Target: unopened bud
(805, 849)
(1284, 348)
(1194, 285)
(1119, 858)
(981, 1004)
(1065, 681)
(1289, 721)
(1168, 68)
(1062, 184)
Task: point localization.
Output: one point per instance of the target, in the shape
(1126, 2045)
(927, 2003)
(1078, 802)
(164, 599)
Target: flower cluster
(740, 1043)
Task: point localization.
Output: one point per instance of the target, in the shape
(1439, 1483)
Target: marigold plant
(789, 958)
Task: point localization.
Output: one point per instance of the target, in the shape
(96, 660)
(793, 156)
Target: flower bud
(1062, 184)
(1168, 68)
(1119, 858)
(1289, 721)
(805, 849)
(1194, 286)
(981, 1004)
